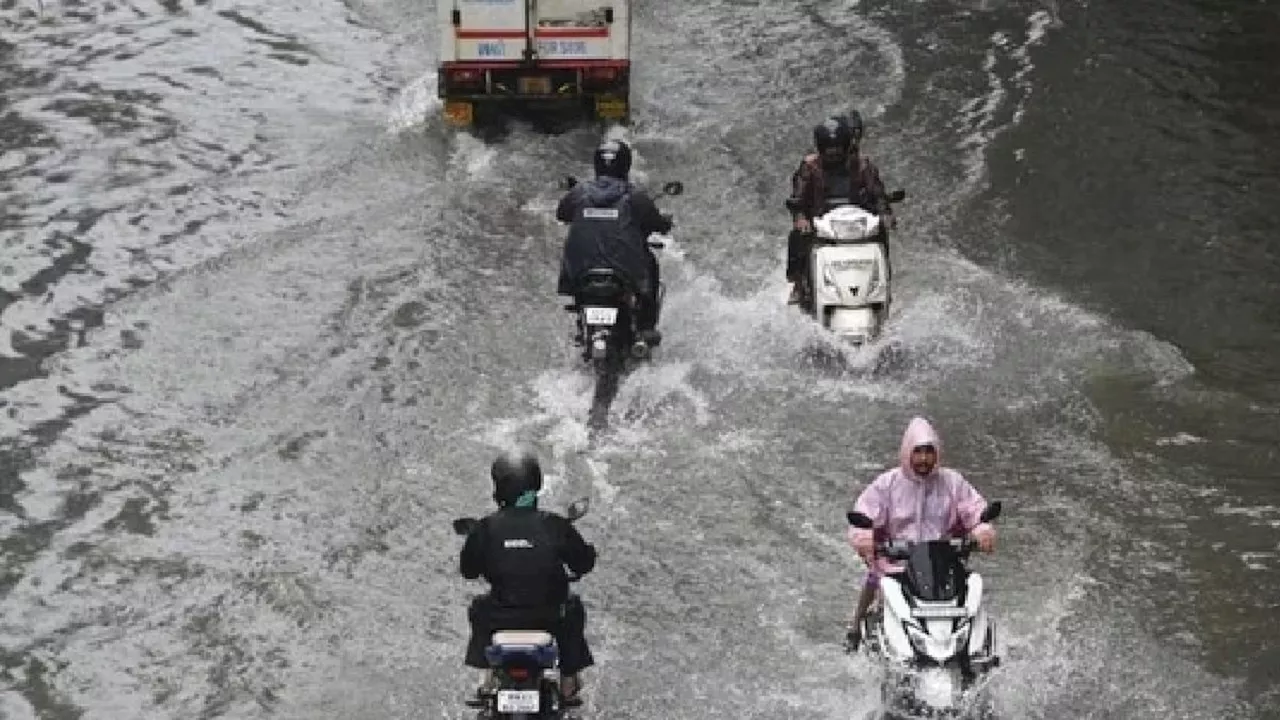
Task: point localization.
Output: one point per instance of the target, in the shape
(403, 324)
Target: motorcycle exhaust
(639, 350)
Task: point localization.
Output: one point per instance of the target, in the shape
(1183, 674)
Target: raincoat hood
(919, 432)
(605, 190)
(902, 507)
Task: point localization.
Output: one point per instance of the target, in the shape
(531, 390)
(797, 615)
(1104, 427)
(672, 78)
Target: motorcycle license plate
(601, 315)
(518, 701)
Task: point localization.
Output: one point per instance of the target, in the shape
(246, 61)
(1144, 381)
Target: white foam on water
(415, 106)
(1002, 108)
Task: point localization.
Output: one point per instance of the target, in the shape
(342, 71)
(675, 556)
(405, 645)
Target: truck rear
(541, 56)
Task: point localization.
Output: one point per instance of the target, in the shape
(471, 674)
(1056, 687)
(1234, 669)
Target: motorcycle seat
(530, 638)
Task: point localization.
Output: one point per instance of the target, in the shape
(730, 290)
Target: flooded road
(264, 323)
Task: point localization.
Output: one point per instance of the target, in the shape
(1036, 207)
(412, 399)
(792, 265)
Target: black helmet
(513, 477)
(853, 121)
(832, 139)
(613, 159)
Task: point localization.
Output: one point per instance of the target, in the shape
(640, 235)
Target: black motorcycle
(604, 307)
(526, 663)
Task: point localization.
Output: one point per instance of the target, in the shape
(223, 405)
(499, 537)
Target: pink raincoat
(906, 506)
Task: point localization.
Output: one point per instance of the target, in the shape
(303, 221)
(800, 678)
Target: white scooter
(931, 629)
(848, 274)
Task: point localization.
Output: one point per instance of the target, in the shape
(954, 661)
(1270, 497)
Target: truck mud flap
(459, 113)
(609, 107)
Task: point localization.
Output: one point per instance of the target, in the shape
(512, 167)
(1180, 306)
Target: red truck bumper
(599, 87)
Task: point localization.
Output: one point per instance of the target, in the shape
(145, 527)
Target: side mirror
(673, 188)
(859, 520)
(578, 508)
(897, 196)
(464, 526)
(991, 513)
(568, 182)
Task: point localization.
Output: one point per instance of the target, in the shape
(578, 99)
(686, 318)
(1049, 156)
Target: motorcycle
(931, 629)
(604, 305)
(847, 282)
(525, 663)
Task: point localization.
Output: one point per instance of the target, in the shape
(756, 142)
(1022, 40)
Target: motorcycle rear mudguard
(620, 334)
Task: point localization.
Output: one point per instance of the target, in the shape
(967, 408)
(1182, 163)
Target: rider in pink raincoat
(917, 501)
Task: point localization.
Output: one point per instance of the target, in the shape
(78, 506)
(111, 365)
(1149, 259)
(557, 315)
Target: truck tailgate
(497, 31)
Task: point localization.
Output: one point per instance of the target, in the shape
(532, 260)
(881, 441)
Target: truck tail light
(601, 74)
(466, 76)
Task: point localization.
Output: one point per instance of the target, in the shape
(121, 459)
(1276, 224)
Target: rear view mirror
(991, 513)
(673, 188)
(860, 521)
(464, 526)
(897, 196)
(578, 508)
(568, 182)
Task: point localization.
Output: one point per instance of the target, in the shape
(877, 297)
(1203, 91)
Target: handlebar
(669, 189)
(900, 549)
(793, 203)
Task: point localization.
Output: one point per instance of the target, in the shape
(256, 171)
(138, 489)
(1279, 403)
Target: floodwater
(264, 323)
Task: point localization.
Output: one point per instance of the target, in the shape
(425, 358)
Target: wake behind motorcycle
(931, 629)
(847, 283)
(525, 663)
(604, 306)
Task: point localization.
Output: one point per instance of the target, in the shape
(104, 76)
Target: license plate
(459, 114)
(534, 85)
(518, 701)
(601, 315)
(612, 108)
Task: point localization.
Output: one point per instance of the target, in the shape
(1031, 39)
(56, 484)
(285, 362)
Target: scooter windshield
(934, 571)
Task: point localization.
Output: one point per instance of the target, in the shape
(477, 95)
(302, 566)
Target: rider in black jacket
(610, 221)
(522, 552)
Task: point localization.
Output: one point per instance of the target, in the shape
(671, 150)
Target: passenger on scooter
(918, 501)
(834, 171)
(610, 221)
(522, 552)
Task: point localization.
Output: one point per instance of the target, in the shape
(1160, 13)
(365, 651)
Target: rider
(920, 500)
(522, 551)
(834, 171)
(614, 234)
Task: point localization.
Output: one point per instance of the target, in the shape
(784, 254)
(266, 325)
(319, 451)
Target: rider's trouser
(799, 245)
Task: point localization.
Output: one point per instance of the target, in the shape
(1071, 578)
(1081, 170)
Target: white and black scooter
(848, 278)
(525, 663)
(931, 629)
